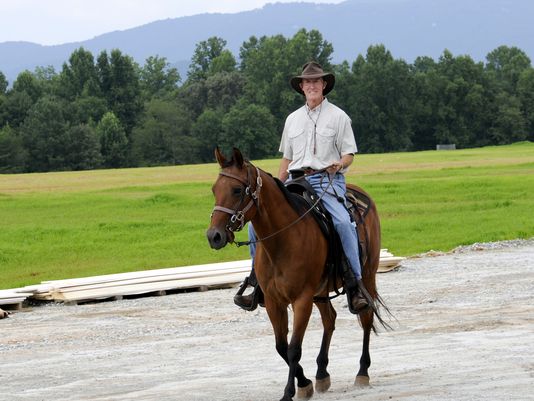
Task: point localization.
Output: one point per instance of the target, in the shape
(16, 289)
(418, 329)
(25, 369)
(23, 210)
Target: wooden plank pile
(13, 298)
(155, 282)
(143, 282)
(388, 262)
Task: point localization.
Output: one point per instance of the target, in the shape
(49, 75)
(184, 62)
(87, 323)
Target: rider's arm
(342, 164)
(347, 160)
(283, 174)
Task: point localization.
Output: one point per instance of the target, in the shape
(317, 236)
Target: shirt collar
(317, 108)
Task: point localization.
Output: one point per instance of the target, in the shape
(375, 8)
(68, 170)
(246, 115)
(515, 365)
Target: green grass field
(75, 224)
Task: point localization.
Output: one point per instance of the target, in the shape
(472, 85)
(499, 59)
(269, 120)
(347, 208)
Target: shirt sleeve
(346, 142)
(285, 146)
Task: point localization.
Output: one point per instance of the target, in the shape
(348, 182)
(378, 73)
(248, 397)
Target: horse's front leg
(290, 353)
(328, 317)
(302, 309)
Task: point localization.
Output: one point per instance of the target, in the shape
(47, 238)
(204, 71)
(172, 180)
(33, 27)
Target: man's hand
(335, 167)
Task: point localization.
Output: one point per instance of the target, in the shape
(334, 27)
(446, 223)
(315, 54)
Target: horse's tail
(378, 305)
(366, 215)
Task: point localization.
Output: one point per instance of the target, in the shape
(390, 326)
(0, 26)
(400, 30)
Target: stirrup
(249, 302)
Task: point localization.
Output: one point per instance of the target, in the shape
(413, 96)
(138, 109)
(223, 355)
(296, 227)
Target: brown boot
(358, 302)
(250, 301)
(353, 287)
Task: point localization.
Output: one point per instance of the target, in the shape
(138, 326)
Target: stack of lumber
(388, 262)
(156, 282)
(142, 282)
(12, 299)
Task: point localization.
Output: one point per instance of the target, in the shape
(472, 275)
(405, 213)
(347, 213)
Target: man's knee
(345, 227)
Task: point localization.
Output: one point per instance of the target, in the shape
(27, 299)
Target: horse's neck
(275, 213)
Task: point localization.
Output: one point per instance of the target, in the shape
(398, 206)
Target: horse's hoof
(322, 385)
(361, 381)
(305, 392)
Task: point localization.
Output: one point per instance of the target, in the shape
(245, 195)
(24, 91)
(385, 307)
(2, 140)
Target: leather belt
(309, 170)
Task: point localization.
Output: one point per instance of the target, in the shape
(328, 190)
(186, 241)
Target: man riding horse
(318, 140)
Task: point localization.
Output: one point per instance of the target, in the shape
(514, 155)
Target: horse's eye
(237, 191)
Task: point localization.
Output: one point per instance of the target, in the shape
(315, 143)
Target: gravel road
(463, 330)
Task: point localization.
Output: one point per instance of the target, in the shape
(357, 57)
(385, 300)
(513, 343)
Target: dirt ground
(464, 330)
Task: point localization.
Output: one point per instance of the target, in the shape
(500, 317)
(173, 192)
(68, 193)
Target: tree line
(110, 112)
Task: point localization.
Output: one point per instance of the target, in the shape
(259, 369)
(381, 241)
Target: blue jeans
(345, 228)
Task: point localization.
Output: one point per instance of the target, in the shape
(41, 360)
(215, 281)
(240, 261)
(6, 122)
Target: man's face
(313, 89)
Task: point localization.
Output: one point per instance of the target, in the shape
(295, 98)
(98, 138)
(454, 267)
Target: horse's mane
(297, 202)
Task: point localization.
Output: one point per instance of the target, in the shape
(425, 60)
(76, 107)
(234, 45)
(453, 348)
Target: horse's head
(236, 191)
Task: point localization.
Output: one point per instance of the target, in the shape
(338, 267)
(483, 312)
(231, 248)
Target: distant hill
(408, 28)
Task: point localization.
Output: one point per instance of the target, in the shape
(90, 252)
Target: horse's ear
(238, 158)
(220, 157)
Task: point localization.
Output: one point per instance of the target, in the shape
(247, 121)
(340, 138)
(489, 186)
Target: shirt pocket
(297, 142)
(326, 143)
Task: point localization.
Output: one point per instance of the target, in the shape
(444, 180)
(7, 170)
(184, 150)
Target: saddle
(356, 203)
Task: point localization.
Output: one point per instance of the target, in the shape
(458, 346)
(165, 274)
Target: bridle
(237, 214)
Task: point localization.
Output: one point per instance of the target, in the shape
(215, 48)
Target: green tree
(507, 63)
(223, 63)
(158, 78)
(427, 87)
(16, 106)
(208, 132)
(28, 83)
(463, 112)
(3, 99)
(252, 129)
(79, 77)
(203, 56)
(86, 110)
(163, 138)
(452, 102)
(48, 80)
(193, 95)
(509, 125)
(113, 141)
(3, 83)
(44, 134)
(83, 152)
(223, 89)
(119, 83)
(382, 102)
(12, 152)
(525, 90)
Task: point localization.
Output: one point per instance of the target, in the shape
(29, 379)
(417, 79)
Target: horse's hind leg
(362, 378)
(328, 317)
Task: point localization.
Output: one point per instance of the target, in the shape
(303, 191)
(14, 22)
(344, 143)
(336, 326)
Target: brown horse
(290, 265)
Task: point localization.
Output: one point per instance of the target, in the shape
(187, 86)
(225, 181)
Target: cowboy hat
(313, 70)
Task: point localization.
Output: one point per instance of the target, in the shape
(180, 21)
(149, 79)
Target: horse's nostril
(216, 239)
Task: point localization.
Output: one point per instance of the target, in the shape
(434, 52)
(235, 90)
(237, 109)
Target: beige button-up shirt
(317, 138)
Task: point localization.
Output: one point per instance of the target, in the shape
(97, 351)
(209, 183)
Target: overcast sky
(51, 22)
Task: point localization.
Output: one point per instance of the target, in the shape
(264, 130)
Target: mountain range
(408, 28)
